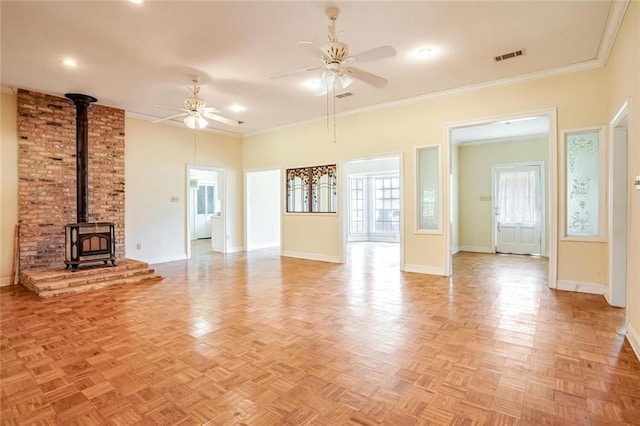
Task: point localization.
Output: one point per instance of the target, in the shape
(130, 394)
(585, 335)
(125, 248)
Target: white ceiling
(135, 57)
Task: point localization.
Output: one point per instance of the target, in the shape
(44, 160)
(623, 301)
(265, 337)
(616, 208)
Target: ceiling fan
(196, 111)
(336, 62)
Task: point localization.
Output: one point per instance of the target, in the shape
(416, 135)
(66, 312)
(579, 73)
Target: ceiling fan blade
(381, 52)
(210, 109)
(366, 77)
(221, 119)
(313, 49)
(294, 72)
(169, 107)
(182, 114)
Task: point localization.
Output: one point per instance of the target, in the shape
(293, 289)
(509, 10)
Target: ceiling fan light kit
(196, 111)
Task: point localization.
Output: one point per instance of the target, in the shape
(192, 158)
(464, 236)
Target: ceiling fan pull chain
(334, 114)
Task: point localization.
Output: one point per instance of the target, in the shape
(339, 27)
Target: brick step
(147, 278)
(49, 275)
(107, 274)
(56, 282)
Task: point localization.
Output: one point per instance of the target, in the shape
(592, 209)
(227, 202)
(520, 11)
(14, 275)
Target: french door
(518, 209)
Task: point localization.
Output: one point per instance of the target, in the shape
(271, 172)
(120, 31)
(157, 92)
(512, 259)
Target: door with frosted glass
(518, 210)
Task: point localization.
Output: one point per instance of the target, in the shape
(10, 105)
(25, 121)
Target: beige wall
(475, 186)
(8, 183)
(156, 160)
(578, 98)
(622, 77)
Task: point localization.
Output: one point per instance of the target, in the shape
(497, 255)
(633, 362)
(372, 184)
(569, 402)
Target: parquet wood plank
(256, 339)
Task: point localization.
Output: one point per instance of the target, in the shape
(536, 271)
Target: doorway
(372, 201)
(618, 152)
(263, 209)
(518, 212)
(506, 135)
(206, 219)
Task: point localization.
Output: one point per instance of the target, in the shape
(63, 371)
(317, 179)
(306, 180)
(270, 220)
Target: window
(584, 184)
(205, 198)
(517, 197)
(428, 197)
(312, 189)
(357, 207)
(374, 207)
(387, 205)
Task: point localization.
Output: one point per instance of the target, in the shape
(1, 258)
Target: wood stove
(86, 241)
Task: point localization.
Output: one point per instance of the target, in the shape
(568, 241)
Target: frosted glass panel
(582, 183)
(428, 188)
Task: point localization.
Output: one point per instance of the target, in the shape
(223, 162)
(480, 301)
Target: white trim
(161, 259)
(424, 269)
(569, 69)
(235, 249)
(520, 138)
(262, 246)
(318, 257)
(602, 185)
(614, 21)
(633, 336)
(477, 249)
(5, 281)
(582, 287)
(8, 90)
(615, 298)
(552, 184)
(454, 250)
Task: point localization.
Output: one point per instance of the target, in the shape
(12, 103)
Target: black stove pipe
(82, 154)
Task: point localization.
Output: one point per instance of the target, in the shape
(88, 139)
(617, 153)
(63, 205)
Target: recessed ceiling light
(70, 62)
(423, 53)
(237, 108)
(136, 1)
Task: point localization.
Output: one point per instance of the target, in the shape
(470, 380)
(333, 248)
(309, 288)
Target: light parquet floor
(255, 339)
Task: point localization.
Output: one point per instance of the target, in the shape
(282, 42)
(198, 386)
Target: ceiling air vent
(343, 95)
(509, 55)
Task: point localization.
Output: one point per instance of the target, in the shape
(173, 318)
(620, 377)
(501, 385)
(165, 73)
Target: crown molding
(614, 21)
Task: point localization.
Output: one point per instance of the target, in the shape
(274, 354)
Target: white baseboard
(311, 256)
(454, 250)
(160, 259)
(5, 281)
(235, 249)
(581, 287)
(634, 339)
(264, 246)
(424, 269)
(476, 249)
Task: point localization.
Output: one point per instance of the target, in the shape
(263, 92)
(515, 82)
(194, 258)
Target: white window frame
(602, 185)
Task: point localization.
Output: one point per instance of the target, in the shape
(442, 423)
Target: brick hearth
(50, 283)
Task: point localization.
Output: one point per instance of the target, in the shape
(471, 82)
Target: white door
(205, 196)
(518, 209)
